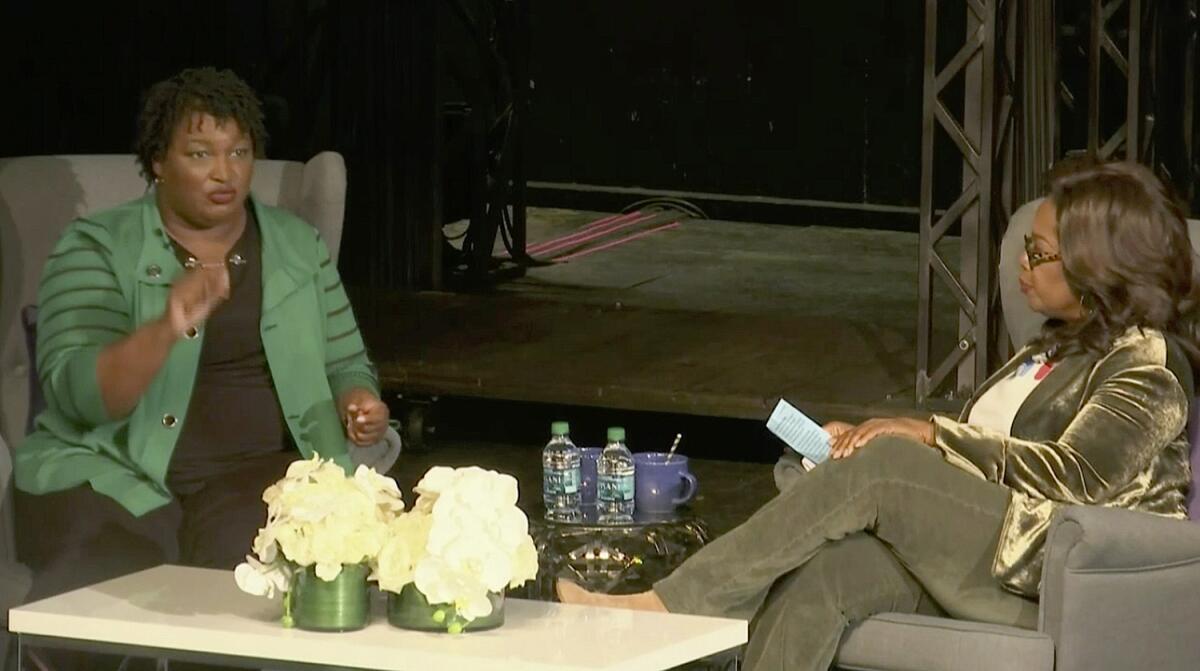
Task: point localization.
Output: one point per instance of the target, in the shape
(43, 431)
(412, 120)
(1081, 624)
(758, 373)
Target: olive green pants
(894, 528)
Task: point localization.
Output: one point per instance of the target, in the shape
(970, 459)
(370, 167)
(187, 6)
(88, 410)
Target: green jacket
(112, 271)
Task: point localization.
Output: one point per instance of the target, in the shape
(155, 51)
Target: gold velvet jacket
(1106, 430)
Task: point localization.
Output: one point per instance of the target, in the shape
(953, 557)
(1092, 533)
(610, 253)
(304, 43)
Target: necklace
(234, 259)
(193, 263)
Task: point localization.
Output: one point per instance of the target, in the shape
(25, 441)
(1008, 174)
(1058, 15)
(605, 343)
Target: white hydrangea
(464, 537)
(397, 560)
(318, 516)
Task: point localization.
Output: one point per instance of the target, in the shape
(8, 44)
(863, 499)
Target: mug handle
(689, 488)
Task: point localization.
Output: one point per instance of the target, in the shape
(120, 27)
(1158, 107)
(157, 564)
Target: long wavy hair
(1127, 256)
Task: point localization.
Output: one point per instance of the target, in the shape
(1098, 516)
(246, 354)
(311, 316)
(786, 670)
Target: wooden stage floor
(707, 318)
(517, 348)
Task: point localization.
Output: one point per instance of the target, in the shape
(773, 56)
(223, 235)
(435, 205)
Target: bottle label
(614, 488)
(563, 481)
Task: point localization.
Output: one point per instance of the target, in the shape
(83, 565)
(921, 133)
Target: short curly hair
(220, 93)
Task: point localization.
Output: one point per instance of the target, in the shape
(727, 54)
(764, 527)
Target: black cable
(505, 233)
(498, 135)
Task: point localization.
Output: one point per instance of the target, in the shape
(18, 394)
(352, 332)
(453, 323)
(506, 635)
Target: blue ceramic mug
(661, 485)
(587, 474)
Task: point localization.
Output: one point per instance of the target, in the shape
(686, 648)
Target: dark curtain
(1176, 79)
(356, 77)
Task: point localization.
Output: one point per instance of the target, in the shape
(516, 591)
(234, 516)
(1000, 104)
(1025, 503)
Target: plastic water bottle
(560, 475)
(614, 480)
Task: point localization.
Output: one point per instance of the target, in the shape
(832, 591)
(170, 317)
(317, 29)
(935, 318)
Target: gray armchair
(39, 195)
(1120, 589)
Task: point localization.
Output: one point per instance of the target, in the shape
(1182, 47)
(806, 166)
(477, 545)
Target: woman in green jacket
(950, 517)
(191, 344)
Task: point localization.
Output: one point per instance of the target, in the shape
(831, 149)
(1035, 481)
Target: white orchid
(441, 582)
(525, 562)
(436, 480)
(318, 516)
(397, 560)
(259, 579)
(382, 489)
(463, 539)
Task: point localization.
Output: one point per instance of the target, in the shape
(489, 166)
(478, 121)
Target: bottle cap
(560, 428)
(616, 434)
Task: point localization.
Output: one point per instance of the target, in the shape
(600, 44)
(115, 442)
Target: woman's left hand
(846, 443)
(364, 416)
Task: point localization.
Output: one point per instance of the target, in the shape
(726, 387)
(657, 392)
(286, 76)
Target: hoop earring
(158, 180)
(1085, 304)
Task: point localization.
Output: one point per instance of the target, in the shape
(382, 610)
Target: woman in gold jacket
(949, 517)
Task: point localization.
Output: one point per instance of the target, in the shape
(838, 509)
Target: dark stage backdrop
(342, 76)
(782, 99)
(778, 98)
(786, 100)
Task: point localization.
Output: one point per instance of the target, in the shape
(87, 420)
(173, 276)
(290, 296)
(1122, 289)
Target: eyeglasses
(1036, 258)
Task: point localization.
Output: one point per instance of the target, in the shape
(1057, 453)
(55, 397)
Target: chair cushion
(37, 402)
(898, 642)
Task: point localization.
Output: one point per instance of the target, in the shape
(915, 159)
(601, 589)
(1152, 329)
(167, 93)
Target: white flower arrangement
(463, 539)
(318, 516)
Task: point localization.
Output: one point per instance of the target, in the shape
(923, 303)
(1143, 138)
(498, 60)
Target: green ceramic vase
(410, 610)
(341, 604)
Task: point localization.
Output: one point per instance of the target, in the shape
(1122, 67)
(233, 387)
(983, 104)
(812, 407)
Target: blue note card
(800, 432)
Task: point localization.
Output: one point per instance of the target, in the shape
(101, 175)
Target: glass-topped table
(612, 558)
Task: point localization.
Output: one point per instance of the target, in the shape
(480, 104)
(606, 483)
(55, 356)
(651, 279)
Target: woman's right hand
(126, 367)
(835, 429)
(848, 442)
(194, 296)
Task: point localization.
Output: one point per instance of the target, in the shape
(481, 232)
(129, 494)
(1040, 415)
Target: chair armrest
(323, 197)
(1109, 578)
(381, 456)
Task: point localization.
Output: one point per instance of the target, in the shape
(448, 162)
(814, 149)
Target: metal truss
(1134, 132)
(985, 65)
(1190, 165)
(1016, 106)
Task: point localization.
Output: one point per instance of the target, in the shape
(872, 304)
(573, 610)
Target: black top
(234, 413)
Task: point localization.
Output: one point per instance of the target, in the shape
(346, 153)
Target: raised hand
(364, 416)
(194, 296)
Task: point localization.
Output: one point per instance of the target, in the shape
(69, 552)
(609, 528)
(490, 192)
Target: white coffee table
(200, 615)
